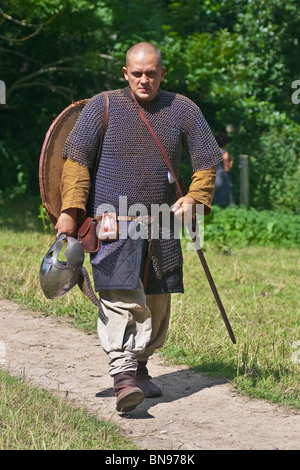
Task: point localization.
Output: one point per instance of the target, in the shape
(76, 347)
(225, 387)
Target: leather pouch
(87, 235)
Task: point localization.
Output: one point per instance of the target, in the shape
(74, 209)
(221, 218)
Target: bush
(237, 225)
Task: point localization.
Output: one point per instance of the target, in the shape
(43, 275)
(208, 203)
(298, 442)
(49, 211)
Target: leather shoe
(143, 381)
(127, 393)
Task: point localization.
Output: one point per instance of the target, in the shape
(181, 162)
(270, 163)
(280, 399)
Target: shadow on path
(192, 382)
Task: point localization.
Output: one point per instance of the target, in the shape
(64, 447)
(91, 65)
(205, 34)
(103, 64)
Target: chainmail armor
(131, 164)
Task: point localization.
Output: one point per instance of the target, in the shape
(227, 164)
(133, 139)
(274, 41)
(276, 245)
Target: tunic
(132, 170)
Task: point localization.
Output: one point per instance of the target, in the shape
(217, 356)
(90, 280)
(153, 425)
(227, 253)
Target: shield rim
(43, 159)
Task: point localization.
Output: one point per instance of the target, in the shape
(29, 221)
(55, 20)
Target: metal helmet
(58, 277)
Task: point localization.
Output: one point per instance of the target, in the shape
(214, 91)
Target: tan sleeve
(202, 187)
(74, 187)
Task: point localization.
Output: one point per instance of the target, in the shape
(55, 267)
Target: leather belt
(125, 217)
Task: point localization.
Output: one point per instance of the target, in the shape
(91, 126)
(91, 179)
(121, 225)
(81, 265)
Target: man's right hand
(67, 222)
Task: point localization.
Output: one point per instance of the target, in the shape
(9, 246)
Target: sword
(180, 191)
(216, 295)
(212, 284)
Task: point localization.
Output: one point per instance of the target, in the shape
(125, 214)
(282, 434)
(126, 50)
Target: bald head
(143, 70)
(142, 49)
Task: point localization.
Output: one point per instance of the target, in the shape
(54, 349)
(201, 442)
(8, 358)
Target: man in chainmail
(134, 316)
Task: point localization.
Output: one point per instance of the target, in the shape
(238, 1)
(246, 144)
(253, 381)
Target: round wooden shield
(51, 160)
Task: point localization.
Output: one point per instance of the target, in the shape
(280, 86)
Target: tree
(237, 59)
(51, 53)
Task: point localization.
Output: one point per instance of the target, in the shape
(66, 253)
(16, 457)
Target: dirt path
(195, 412)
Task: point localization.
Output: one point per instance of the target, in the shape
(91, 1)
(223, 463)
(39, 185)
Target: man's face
(144, 74)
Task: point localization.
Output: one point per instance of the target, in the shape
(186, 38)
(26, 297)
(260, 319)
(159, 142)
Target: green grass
(21, 255)
(32, 419)
(259, 288)
(258, 285)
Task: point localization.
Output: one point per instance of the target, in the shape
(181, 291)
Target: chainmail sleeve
(198, 140)
(83, 141)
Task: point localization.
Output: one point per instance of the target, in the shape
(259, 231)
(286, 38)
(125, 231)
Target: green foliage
(46, 50)
(238, 227)
(235, 58)
(275, 181)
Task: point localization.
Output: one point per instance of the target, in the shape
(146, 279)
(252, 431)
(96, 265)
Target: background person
(223, 195)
